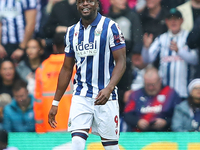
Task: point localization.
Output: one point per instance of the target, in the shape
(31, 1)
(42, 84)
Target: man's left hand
(159, 124)
(102, 97)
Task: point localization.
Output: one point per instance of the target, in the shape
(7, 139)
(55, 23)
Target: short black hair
(18, 84)
(59, 39)
(3, 136)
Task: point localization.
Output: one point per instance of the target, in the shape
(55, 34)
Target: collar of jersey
(95, 22)
(174, 35)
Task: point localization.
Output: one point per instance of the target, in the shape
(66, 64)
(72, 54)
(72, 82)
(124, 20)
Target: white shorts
(104, 119)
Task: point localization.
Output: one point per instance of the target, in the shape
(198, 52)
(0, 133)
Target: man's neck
(195, 4)
(35, 63)
(155, 11)
(86, 23)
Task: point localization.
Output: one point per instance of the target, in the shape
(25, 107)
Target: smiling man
(97, 46)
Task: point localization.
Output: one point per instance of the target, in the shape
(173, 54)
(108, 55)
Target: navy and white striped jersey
(92, 48)
(12, 14)
(175, 68)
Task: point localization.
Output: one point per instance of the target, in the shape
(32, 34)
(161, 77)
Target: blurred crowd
(159, 91)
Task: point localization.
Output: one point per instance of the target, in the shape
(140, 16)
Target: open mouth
(85, 10)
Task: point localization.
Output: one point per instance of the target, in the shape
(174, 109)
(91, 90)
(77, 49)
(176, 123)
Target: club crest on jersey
(88, 49)
(161, 98)
(98, 32)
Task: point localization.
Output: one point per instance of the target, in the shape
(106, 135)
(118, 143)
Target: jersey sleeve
(116, 37)
(68, 46)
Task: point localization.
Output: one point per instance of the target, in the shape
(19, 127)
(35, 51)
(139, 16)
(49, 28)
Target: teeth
(85, 9)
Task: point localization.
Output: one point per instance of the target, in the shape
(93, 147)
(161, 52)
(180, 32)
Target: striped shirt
(92, 48)
(13, 21)
(175, 67)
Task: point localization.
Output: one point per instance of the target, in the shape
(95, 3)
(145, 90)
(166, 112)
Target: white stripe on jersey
(93, 55)
(13, 19)
(175, 71)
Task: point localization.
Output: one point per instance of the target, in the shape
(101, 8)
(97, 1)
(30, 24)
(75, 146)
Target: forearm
(145, 55)
(118, 72)
(63, 82)
(29, 29)
(189, 56)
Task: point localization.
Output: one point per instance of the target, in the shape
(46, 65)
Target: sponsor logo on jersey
(88, 49)
(171, 59)
(151, 109)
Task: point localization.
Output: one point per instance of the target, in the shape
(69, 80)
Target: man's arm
(120, 60)
(30, 16)
(3, 52)
(63, 82)
(150, 50)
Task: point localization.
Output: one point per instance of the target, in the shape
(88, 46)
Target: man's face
(151, 4)
(152, 85)
(174, 24)
(119, 4)
(87, 8)
(21, 96)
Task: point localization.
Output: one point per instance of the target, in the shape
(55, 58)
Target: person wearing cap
(176, 59)
(186, 115)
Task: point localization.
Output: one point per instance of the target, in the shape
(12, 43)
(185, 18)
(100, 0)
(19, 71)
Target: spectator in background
(105, 5)
(129, 23)
(34, 57)
(169, 4)
(18, 116)
(139, 68)
(8, 76)
(151, 108)
(190, 12)
(46, 82)
(187, 114)
(176, 58)
(46, 42)
(4, 100)
(4, 141)
(46, 11)
(17, 26)
(193, 42)
(63, 15)
(153, 18)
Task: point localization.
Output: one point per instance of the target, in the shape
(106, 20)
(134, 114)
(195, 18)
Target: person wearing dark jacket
(193, 42)
(63, 15)
(151, 108)
(129, 23)
(153, 18)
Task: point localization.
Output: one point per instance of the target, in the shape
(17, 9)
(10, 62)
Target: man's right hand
(3, 52)
(143, 124)
(147, 40)
(51, 117)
